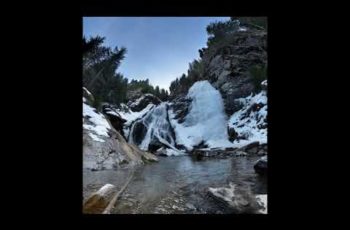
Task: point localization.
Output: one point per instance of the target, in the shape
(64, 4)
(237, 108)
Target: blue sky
(159, 48)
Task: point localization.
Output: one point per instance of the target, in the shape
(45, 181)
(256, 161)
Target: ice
(158, 128)
(206, 120)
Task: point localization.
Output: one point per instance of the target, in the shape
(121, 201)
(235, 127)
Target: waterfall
(153, 129)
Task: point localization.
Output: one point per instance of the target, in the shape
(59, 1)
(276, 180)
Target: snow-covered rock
(239, 200)
(103, 146)
(250, 122)
(140, 103)
(206, 120)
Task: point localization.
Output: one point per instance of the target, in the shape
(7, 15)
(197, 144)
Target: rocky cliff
(103, 145)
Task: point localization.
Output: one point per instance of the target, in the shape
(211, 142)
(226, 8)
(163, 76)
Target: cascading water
(153, 129)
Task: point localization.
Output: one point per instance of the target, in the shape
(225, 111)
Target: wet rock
(240, 154)
(232, 134)
(139, 132)
(261, 166)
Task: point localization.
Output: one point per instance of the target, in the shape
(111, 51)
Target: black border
(62, 152)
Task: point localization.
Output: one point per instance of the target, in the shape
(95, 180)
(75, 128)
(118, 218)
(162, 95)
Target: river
(176, 185)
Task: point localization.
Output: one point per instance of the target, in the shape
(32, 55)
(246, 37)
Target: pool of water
(177, 185)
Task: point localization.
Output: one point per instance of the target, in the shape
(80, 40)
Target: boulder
(114, 117)
(232, 134)
(234, 199)
(99, 200)
(141, 103)
(260, 166)
(249, 146)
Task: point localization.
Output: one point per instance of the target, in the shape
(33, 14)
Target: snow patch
(262, 200)
(99, 125)
(132, 116)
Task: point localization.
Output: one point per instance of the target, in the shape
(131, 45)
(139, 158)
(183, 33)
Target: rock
(141, 103)
(240, 154)
(190, 206)
(262, 152)
(99, 200)
(114, 117)
(227, 67)
(253, 150)
(235, 200)
(250, 146)
(161, 152)
(145, 156)
(261, 166)
(139, 132)
(88, 96)
(232, 134)
(264, 85)
(180, 106)
(262, 201)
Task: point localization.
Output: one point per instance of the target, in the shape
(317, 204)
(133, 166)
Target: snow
(262, 200)
(132, 116)
(242, 29)
(105, 189)
(174, 152)
(206, 120)
(264, 83)
(99, 125)
(111, 112)
(247, 124)
(96, 138)
(264, 159)
(226, 194)
(87, 91)
(136, 102)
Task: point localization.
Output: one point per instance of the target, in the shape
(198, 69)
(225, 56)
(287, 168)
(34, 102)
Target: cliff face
(103, 146)
(227, 66)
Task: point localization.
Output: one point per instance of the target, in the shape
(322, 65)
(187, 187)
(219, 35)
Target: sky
(158, 48)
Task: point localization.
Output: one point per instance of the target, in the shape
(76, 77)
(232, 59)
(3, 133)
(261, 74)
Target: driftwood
(115, 198)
